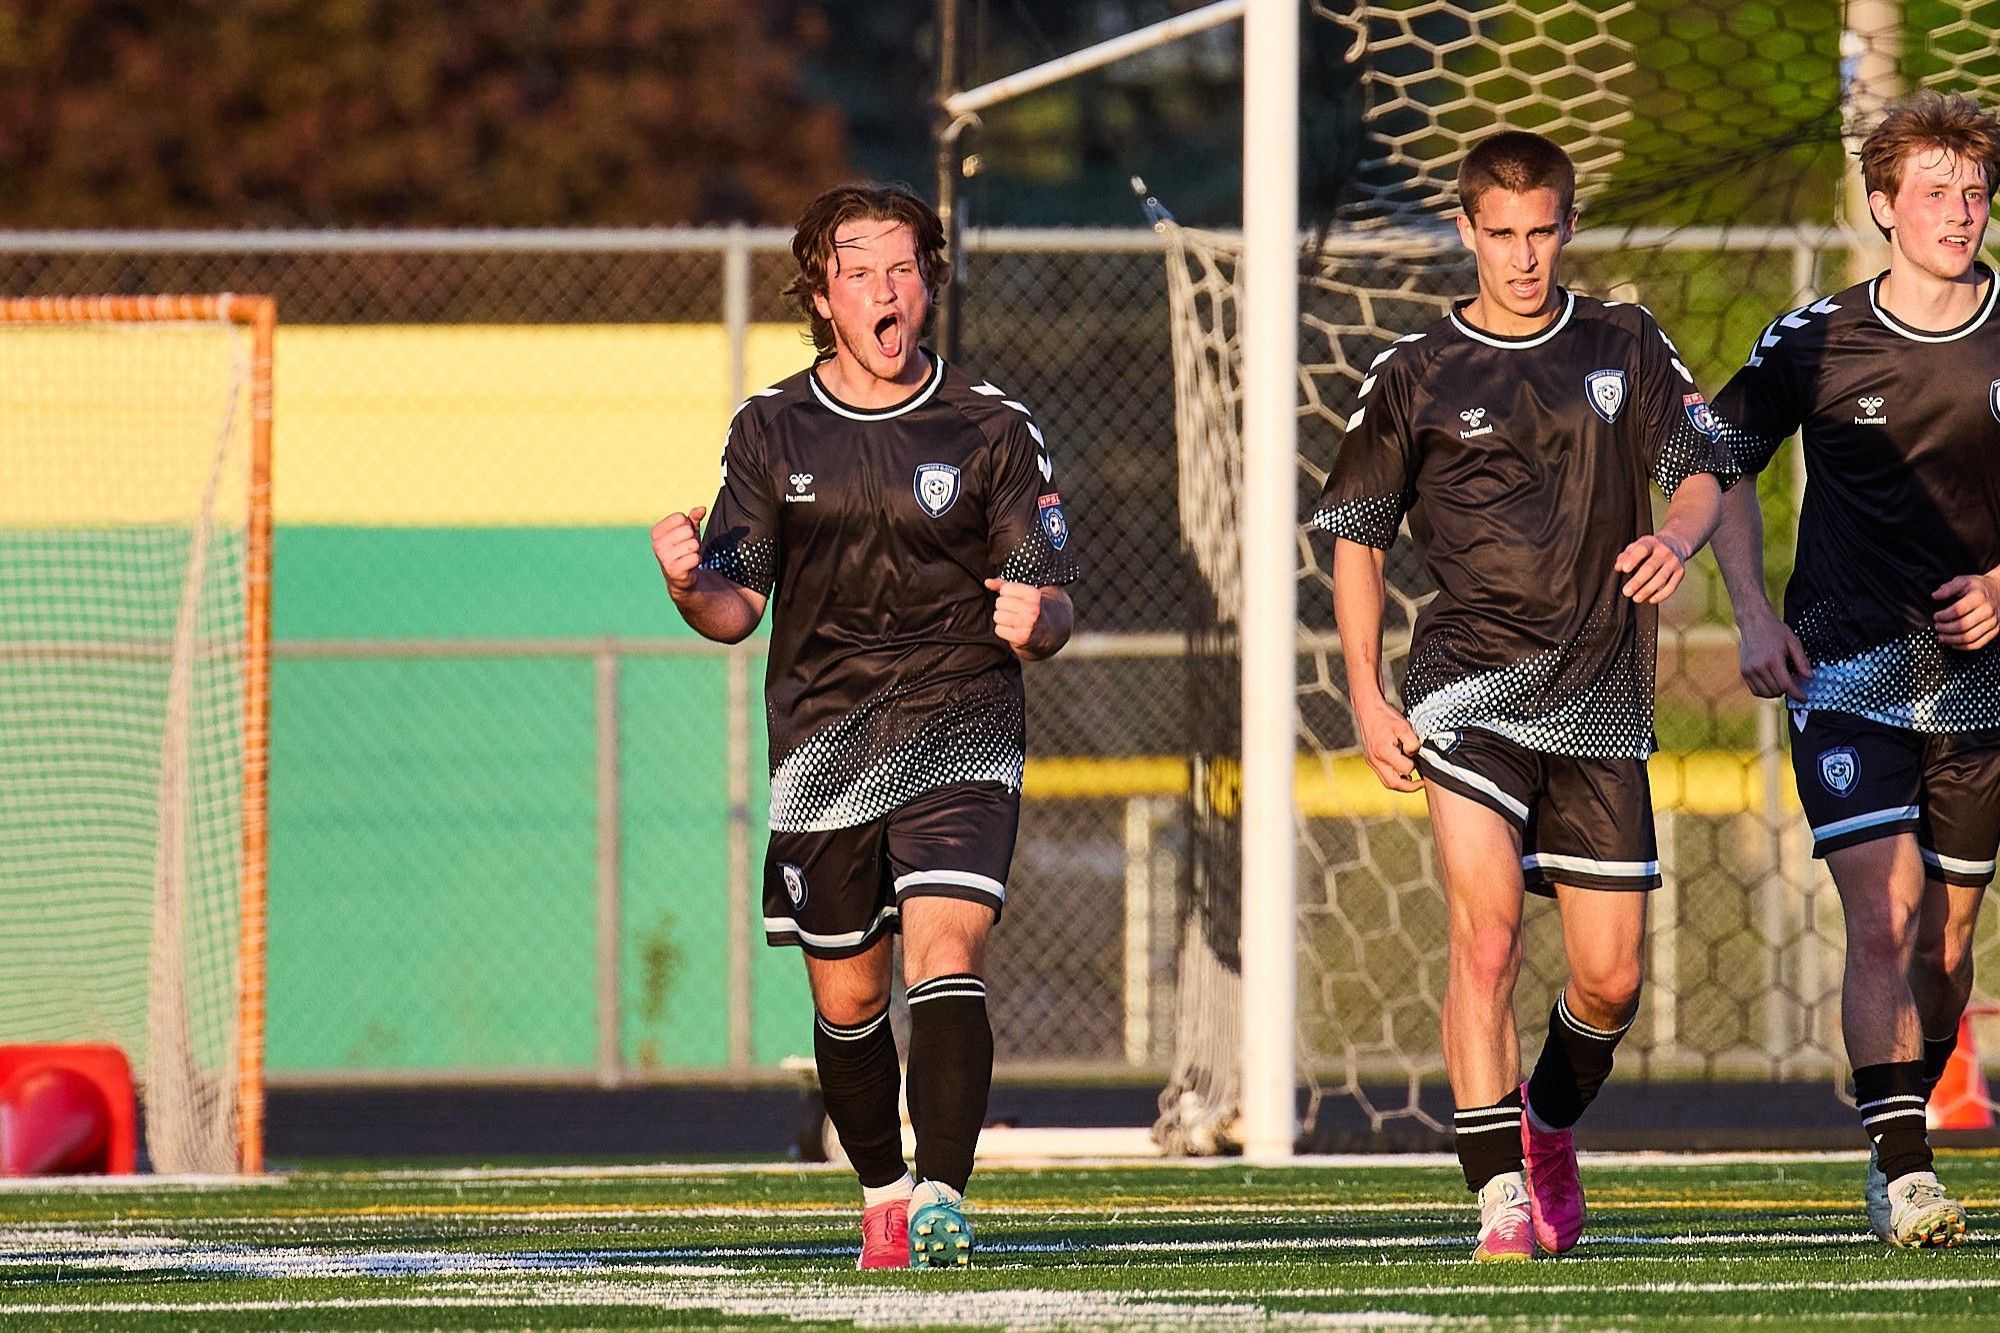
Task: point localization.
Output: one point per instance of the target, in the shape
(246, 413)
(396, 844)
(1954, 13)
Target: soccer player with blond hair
(1887, 654)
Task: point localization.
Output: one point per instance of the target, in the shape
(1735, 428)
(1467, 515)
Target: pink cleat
(1505, 1234)
(885, 1235)
(1555, 1193)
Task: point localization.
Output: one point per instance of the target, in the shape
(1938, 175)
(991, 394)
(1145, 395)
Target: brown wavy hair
(1516, 161)
(1956, 125)
(812, 243)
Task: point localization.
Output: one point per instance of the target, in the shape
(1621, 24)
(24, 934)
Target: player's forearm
(1739, 550)
(1692, 514)
(1053, 626)
(718, 608)
(1359, 598)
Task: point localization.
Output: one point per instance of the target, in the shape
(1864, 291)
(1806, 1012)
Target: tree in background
(408, 113)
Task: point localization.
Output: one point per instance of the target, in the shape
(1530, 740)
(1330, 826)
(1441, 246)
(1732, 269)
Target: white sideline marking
(1029, 1310)
(131, 1184)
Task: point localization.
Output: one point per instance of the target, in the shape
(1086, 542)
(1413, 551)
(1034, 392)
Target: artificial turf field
(1679, 1243)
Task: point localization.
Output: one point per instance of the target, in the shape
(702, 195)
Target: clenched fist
(1017, 611)
(677, 546)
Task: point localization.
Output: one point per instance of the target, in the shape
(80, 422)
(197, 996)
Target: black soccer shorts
(1860, 780)
(1583, 822)
(834, 892)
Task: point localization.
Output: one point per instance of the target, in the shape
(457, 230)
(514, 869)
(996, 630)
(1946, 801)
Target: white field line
(1615, 1161)
(1029, 1311)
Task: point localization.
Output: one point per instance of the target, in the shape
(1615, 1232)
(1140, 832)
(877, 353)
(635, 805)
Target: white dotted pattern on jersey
(1912, 682)
(1371, 521)
(872, 760)
(1531, 704)
(753, 564)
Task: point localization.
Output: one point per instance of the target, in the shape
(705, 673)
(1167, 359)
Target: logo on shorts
(1838, 769)
(795, 884)
(937, 488)
(1053, 522)
(1446, 741)
(1606, 391)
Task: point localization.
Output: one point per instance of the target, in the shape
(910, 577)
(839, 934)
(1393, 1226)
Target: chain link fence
(517, 811)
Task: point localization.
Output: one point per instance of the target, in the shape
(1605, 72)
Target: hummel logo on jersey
(1838, 769)
(801, 487)
(1606, 391)
(1048, 468)
(1871, 407)
(936, 485)
(1472, 416)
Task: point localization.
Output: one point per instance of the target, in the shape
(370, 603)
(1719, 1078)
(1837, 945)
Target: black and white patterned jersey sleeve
(1769, 396)
(1372, 483)
(740, 541)
(1028, 534)
(1682, 435)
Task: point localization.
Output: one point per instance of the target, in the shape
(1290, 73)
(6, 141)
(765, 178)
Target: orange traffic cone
(1961, 1099)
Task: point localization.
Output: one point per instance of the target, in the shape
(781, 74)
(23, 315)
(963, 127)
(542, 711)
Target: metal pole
(1871, 50)
(741, 903)
(609, 1045)
(1269, 524)
(736, 309)
(1138, 929)
(944, 329)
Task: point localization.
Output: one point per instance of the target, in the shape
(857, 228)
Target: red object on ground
(67, 1110)
(1961, 1099)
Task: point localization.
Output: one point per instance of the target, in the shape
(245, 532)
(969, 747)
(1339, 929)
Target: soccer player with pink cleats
(1555, 1191)
(885, 1235)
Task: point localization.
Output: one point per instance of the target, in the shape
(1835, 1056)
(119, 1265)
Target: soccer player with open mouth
(901, 518)
(1521, 435)
(1887, 654)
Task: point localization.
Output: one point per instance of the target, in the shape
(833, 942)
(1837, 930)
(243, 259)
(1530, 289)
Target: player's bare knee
(1487, 957)
(1605, 996)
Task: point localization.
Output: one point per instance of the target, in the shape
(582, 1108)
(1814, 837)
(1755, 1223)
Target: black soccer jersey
(1902, 445)
(1523, 465)
(874, 531)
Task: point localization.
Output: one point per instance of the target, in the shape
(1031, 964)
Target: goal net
(134, 619)
(1712, 142)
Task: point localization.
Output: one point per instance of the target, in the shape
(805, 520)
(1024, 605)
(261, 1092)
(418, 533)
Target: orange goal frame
(259, 314)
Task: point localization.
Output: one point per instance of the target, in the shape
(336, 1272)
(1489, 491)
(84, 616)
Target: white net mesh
(1708, 139)
(124, 505)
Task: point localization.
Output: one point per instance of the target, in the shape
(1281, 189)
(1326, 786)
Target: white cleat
(1506, 1232)
(1921, 1217)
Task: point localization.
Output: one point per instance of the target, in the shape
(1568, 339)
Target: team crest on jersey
(1701, 415)
(1606, 391)
(1838, 769)
(1993, 398)
(937, 488)
(795, 884)
(1053, 522)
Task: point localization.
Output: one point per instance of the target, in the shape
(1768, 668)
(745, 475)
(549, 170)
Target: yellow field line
(1696, 782)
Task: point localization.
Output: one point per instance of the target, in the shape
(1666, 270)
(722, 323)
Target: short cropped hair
(1954, 125)
(812, 242)
(1516, 161)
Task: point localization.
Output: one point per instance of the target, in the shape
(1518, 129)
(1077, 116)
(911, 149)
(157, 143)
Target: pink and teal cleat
(1555, 1192)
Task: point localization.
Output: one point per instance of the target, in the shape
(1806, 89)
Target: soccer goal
(1714, 147)
(135, 567)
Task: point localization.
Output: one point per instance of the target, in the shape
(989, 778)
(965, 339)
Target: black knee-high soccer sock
(858, 1079)
(951, 1074)
(1575, 1061)
(1937, 1054)
(1489, 1139)
(1890, 1098)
